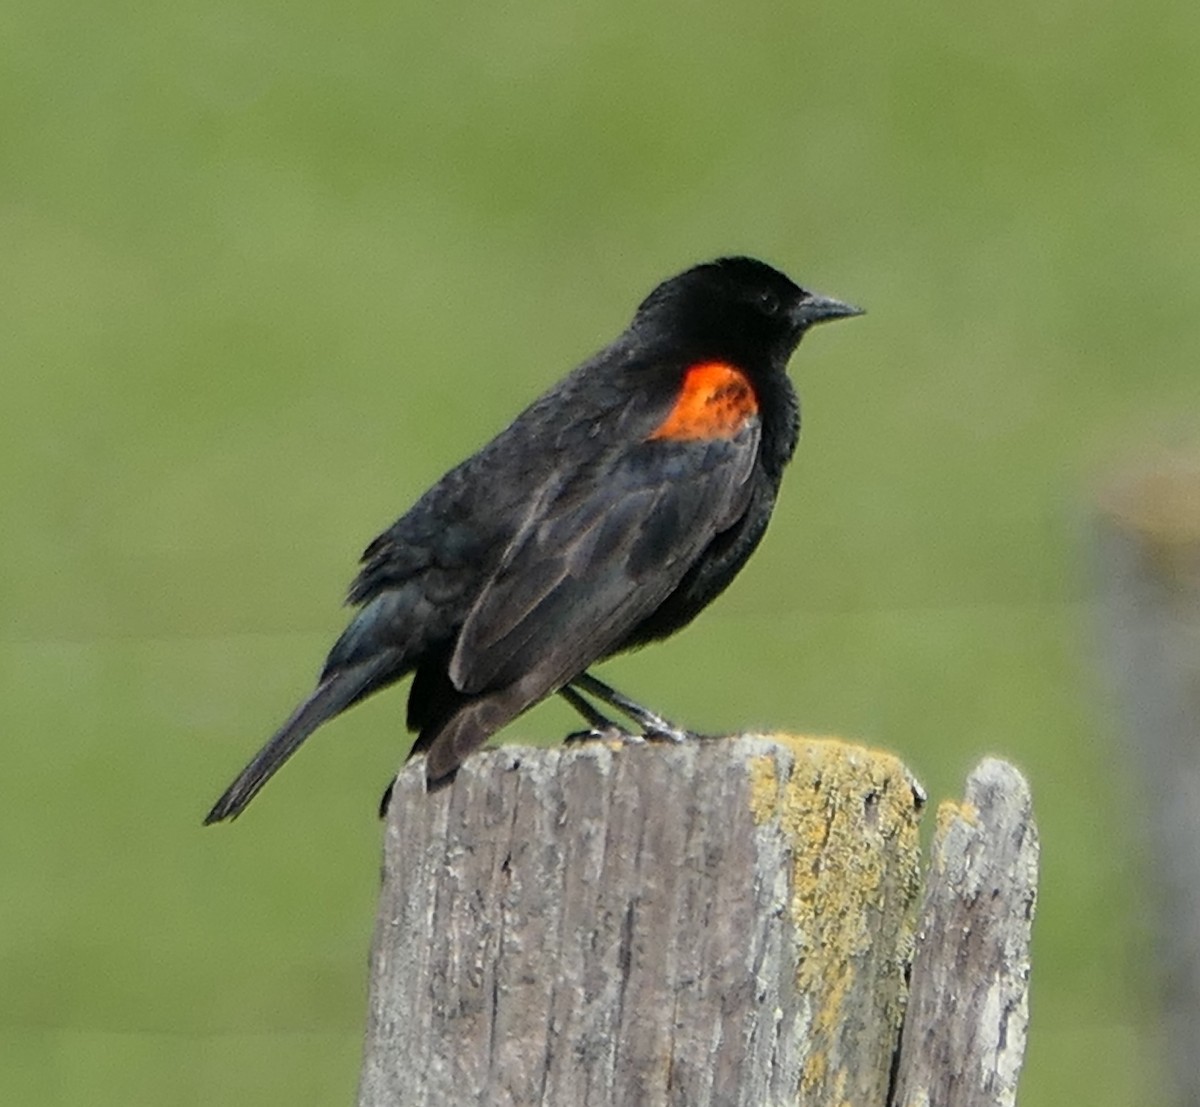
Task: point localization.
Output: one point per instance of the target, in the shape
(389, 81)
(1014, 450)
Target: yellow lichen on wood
(764, 788)
(1160, 499)
(949, 810)
(1160, 503)
(850, 817)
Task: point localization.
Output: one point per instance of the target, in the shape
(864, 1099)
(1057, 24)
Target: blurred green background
(267, 270)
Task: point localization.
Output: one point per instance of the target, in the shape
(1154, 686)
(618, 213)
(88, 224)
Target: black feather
(336, 692)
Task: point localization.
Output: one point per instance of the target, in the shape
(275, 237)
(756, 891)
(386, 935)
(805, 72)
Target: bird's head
(736, 308)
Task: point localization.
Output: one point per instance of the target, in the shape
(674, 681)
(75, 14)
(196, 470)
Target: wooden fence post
(968, 1005)
(721, 923)
(1147, 543)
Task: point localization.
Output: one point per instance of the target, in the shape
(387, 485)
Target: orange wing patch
(715, 401)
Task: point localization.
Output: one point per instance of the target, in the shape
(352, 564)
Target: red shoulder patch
(715, 401)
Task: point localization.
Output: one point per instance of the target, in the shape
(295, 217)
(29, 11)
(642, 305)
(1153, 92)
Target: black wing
(598, 558)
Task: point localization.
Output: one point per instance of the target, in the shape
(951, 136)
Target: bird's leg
(653, 725)
(600, 727)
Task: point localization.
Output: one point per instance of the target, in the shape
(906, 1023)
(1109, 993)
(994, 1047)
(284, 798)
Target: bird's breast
(715, 400)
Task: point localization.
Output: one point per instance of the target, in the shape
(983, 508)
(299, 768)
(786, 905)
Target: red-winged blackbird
(608, 514)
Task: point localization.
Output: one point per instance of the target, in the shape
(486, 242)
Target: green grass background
(268, 269)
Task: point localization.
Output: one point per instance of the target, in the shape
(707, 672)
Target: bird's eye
(768, 302)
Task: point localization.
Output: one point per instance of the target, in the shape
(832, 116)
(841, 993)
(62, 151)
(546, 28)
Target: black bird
(608, 514)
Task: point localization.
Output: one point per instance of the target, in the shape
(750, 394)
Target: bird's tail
(336, 692)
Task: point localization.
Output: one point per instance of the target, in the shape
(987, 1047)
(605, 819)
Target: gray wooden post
(1148, 567)
(968, 1006)
(721, 923)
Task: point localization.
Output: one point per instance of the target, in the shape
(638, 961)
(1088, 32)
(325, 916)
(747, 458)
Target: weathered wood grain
(720, 923)
(964, 1034)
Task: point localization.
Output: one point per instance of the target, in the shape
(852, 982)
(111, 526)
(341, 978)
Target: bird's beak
(815, 308)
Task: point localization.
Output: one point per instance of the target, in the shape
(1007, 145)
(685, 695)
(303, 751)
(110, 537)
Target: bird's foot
(608, 733)
(667, 732)
(652, 725)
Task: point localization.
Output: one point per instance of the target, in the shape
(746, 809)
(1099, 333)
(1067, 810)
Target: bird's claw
(667, 733)
(611, 733)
